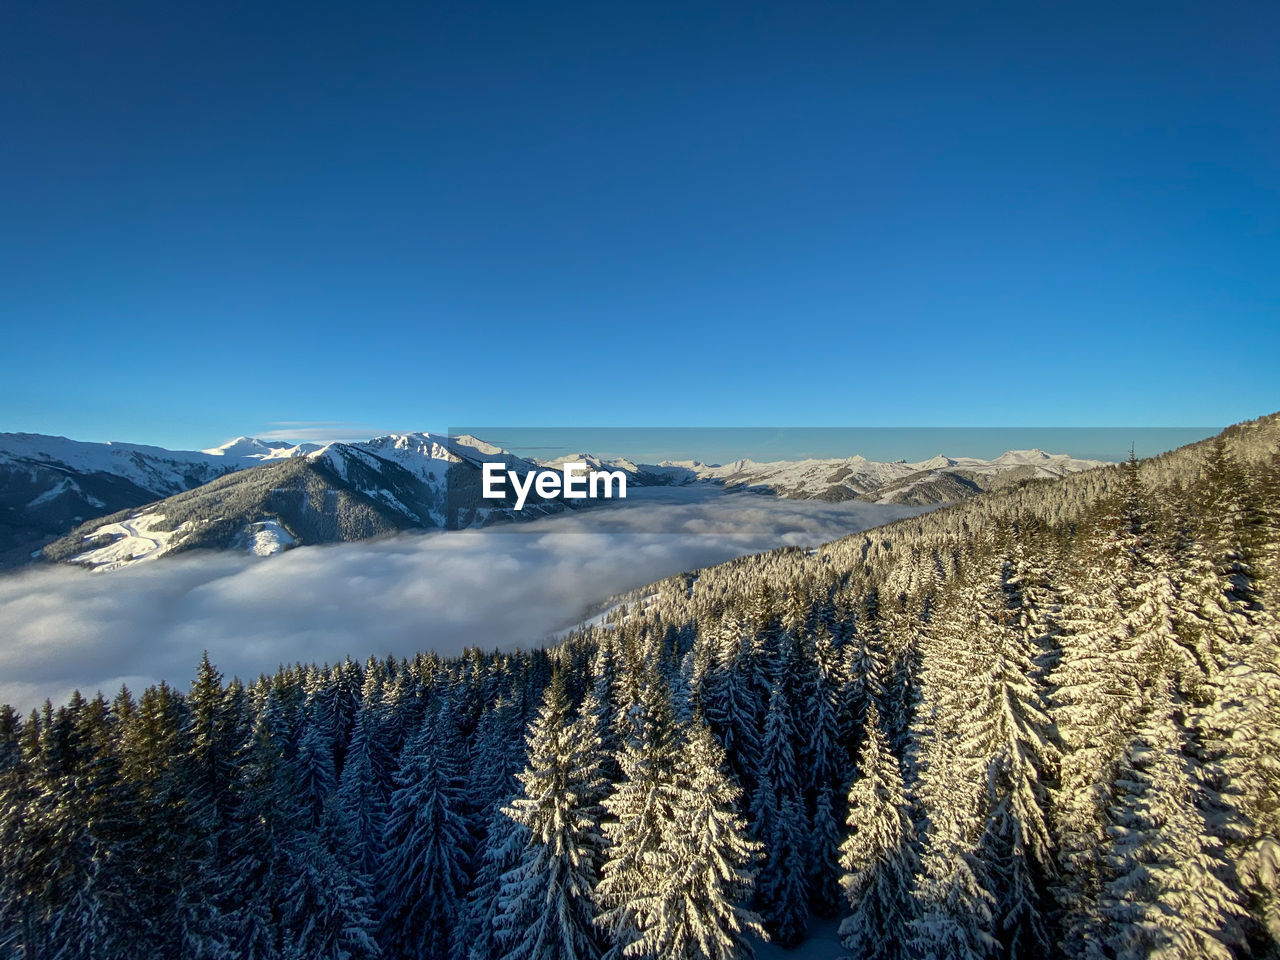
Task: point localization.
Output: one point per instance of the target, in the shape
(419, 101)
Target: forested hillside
(1042, 723)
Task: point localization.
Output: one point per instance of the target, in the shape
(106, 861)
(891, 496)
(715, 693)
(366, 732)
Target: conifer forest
(1042, 723)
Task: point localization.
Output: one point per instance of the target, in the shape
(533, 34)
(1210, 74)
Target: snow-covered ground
(268, 537)
(137, 541)
(597, 619)
(823, 943)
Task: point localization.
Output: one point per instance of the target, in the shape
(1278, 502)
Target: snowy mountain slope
(151, 468)
(303, 498)
(336, 492)
(49, 484)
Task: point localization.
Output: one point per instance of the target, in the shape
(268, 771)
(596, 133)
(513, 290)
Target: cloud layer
(63, 629)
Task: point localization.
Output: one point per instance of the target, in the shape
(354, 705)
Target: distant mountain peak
(1034, 455)
(239, 447)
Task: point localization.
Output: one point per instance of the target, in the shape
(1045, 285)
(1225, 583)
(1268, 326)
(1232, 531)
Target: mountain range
(105, 505)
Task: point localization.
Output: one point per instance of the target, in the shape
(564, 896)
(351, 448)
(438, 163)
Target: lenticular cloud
(65, 629)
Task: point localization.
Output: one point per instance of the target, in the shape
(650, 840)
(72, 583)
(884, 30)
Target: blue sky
(219, 218)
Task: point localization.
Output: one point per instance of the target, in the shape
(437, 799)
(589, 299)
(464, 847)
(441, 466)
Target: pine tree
(546, 910)
(782, 889)
(867, 667)
(877, 855)
(1007, 736)
(360, 800)
(327, 912)
(730, 700)
(205, 781)
(168, 757)
(82, 807)
(691, 909)
(953, 907)
(424, 876)
(779, 822)
(1097, 702)
(1236, 729)
(255, 875)
(315, 764)
(823, 866)
(643, 809)
(504, 846)
(497, 757)
(14, 847)
(1162, 895)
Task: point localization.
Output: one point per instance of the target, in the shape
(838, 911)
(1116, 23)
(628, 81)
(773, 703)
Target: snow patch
(58, 489)
(268, 537)
(136, 541)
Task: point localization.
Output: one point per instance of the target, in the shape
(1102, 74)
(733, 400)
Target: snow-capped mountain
(274, 496)
(937, 480)
(50, 484)
(133, 503)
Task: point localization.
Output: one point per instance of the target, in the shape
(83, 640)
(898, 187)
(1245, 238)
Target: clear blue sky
(219, 217)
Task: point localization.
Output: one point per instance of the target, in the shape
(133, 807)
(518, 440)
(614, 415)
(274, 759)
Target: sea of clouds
(63, 628)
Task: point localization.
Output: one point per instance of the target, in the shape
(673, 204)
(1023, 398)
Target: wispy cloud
(67, 629)
(320, 430)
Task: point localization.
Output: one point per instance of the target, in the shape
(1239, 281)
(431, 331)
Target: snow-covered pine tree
(546, 910)
(79, 805)
(424, 871)
(904, 625)
(1264, 533)
(824, 765)
(1006, 739)
(314, 763)
(642, 807)
(600, 704)
(168, 761)
(823, 862)
(476, 937)
(782, 887)
(361, 805)
(867, 668)
(824, 695)
(779, 821)
(497, 756)
(255, 873)
(1031, 581)
(952, 910)
(216, 734)
(1236, 725)
(729, 699)
(693, 910)
(327, 911)
(1097, 703)
(216, 729)
(878, 853)
(1242, 734)
(1162, 895)
(14, 852)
